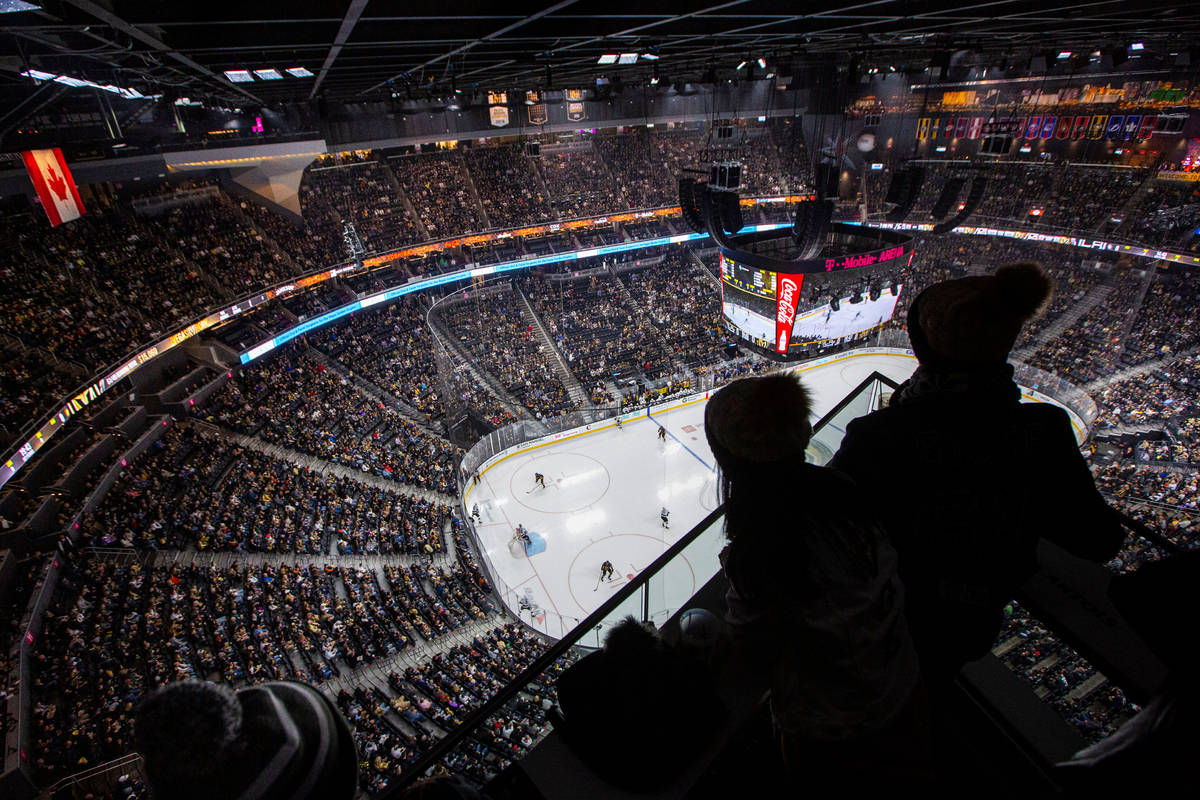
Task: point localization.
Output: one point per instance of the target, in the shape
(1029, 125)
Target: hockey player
(475, 513)
(618, 423)
(606, 571)
(663, 515)
(662, 433)
(539, 480)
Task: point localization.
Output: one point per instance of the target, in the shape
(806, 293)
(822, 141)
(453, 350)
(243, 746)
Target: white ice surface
(604, 490)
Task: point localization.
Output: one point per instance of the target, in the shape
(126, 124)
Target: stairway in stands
(574, 388)
(1093, 298)
(463, 358)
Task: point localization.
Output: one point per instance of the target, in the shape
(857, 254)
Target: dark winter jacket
(968, 479)
(815, 600)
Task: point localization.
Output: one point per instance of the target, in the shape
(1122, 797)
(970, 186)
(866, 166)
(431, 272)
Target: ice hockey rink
(604, 491)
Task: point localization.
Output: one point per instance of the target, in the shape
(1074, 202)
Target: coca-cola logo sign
(788, 294)
(787, 297)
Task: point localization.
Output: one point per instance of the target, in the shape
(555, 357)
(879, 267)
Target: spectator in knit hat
(972, 477)
(270, 742)
(814, 596)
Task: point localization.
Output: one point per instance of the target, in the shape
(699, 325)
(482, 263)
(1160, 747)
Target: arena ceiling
(367, 49)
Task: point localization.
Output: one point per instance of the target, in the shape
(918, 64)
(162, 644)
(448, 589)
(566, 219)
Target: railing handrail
(559, 648)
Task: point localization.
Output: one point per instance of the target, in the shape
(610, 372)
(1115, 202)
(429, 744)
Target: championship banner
(960, 127)
(1116, 124)
(1147, 128)
(787, 298)
(499, 116)
(923, 128)
(974, 129)
(1081, 127)
(576, 112)
(537, 114)
(1048, 127)
(54, 184)
(1032, 126)
(1064, 129)
(1132, 123)
(1096, 129)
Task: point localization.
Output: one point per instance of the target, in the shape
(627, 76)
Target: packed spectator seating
(683, 305)
(630, 160)
(309, 249)
(438, 186)
(391, 348)
(30, 387)
(1071, 283)
(118, 628)
(577, 182)
(1166, 322)
(217, 238)
(599, 335)
(1169, 391)
(1091, 346)
(509, 187)
(1061, 677)
(364, 193)
(1163, 214)
(493, 329)
(296, 402)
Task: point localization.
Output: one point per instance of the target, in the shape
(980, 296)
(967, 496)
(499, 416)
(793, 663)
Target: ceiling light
(1064, 54)
(628, 58)
(649, 56)
(299, 72)
(239, 75)
(742, 65)
(1137, 46)
(38, 75)
(269, 74)
(762, 63)
(654, 81)
(12, 6)
(607, 58)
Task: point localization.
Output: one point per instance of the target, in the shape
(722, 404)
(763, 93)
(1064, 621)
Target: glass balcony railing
(655, 595)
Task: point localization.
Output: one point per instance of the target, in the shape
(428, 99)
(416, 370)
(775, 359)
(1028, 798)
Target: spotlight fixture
(762, 63)
(239, 75)
(742, 65)
(650, 56)
(299, 72)
(607, 58)
(1064, 55)
(627, 58)
(1137, 46)
(269, 74)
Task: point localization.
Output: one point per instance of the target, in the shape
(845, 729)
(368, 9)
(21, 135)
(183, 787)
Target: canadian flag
(55, 186)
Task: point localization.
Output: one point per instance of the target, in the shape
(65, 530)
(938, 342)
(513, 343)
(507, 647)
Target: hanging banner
(1032, 126)
(499, 116)
(537, 114)
(1146, 130)
(960, 127)
(1132, 122)
(1064, 128)
(1116, 124)
(1096, 129)
(576, 112)
(1081, 127)
(1048, 127)
(974, 129)
(923, 128)
(54, 184)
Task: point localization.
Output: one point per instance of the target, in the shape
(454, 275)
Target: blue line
(681, 444)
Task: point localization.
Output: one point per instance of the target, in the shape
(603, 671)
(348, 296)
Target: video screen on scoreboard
(758, 305)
